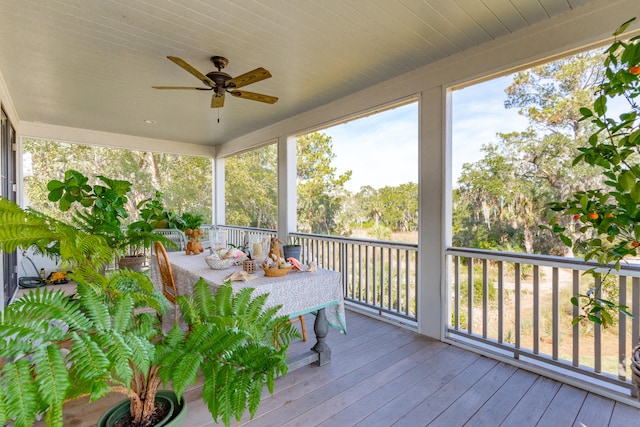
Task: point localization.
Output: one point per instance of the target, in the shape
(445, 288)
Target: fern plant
(53, 348)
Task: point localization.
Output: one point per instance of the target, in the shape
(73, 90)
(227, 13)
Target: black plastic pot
(175, 417)
(292, 251)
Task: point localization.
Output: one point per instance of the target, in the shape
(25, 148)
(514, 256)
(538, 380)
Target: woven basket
(220, 264)
(276, 272)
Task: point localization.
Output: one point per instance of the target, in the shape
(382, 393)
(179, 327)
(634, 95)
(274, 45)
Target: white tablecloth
(297, 292)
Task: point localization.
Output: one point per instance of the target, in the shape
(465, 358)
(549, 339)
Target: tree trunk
(143, 398)
(528, 239)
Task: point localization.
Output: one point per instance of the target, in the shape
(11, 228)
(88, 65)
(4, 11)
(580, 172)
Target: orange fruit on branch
(593, 215)
(635, 70)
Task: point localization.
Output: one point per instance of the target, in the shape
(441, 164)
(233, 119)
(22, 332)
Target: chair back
(176, 236)
(168, 284)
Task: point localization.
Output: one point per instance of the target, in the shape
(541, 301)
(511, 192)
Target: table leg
(321, 328)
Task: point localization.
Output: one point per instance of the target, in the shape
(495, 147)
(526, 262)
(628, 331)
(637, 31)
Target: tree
(608, 216)
(320, 191)
(184, 181)
(251, 188)
(395, 208)
(506, 193)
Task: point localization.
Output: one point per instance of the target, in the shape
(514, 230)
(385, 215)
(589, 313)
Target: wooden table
(298, 293)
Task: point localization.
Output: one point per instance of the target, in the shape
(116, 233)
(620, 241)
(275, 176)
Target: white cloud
(381, 150)
(478, 115)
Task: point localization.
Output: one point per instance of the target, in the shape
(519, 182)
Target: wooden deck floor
(382, 375)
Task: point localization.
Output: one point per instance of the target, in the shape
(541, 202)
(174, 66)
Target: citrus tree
(608, 218)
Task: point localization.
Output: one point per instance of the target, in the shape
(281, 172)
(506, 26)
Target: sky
(478, 115)
(382, 149)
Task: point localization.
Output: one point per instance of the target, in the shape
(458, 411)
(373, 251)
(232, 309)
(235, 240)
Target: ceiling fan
(220, 82)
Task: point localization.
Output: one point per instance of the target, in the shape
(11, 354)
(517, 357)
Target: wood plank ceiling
(91, 63)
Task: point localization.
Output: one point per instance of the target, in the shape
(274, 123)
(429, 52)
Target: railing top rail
(237, 227)
(358, 241)
(632, 270)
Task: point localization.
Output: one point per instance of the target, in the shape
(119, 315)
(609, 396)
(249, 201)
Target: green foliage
(191, 220)
(608, 218)
(101, 210)
(320, 191)
(235, 341)
(478, 292)
(22, 229)
(379, 232)
(502, 198)
(153, 214)
(251, 188)
(178, 178)
(54, 348)
(394, 208)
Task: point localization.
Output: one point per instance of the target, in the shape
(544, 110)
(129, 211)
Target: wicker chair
(302, 326)
(166, 275)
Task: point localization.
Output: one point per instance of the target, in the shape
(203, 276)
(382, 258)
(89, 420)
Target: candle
(257, 249)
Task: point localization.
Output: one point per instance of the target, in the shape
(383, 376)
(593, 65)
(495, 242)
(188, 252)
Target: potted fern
(53, 349)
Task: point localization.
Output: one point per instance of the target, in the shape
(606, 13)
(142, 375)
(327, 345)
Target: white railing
(519, 306)
(378, 276)
(237, 236)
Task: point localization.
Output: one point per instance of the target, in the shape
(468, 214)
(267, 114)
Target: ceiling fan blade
(254, 96)
(217, 101)
(182, 87)
(248, 78)
(204, 79)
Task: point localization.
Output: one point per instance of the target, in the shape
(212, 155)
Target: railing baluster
(358, 295)
(517, 304)
(456, 296)
(500, 301)
(389, 303)
(374, 278)
(536, 309)
(398, 265)
(597, 332)
(635, 321)
(485, 298)
(576, 313)
(381, 302)
(407, 282)
(555, 309)
(370, 295)
(635, 310)
(622, 329)
(470, 295)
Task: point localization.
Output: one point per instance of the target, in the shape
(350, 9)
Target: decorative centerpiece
(194, 246)
(224, 258)
(274, 264)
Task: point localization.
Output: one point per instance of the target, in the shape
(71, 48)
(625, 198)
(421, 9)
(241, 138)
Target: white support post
(218, 191)
(287, 197)
(431, 236)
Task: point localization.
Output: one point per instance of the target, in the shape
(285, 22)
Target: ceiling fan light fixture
(221, 82)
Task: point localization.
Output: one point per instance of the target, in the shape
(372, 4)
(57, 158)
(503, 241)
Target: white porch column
(431, 300)
(218, 191)
(287, 194)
